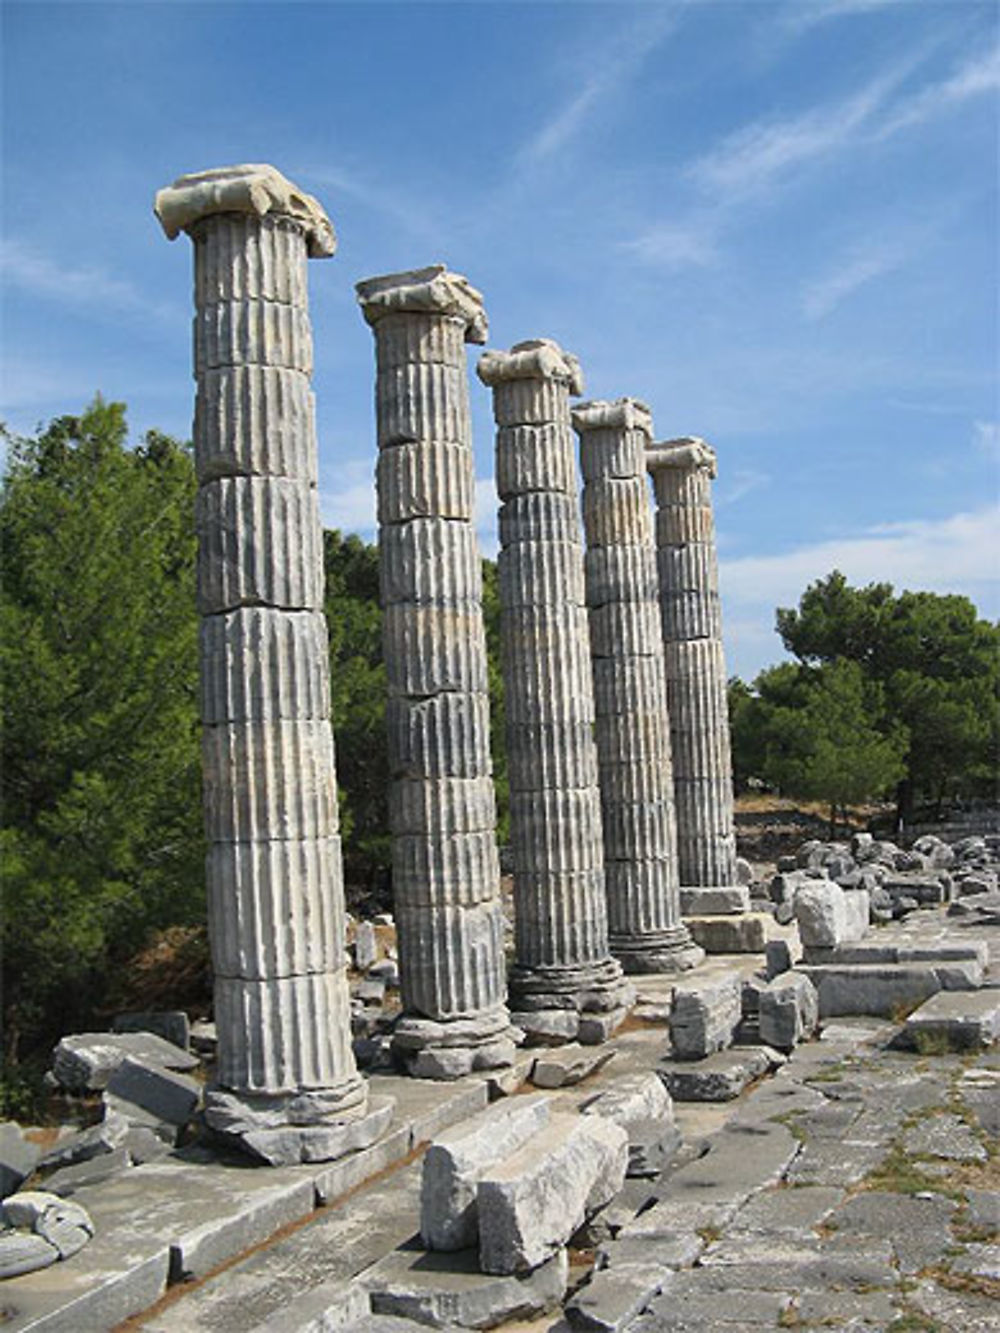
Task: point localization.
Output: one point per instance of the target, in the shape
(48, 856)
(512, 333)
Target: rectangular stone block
(429, 649)
(269, 780)
(531, 1205)
(456, 1161)
(704, 1016)
(433, 560)
(535, 458)
(425, 478)
(871, 988)
(722, 901)
(255, 421)
(827, 916)
(730, 934)
(442, 737)
(261, 665)
(275, 907)
(259, 543)
(163, 1095)
(789, 1011)
(955, 1021)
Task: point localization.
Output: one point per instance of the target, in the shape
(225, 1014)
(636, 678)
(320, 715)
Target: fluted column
(288, 1088)
(632, 726)
(682, 472)
(445, 870)
(565, 984)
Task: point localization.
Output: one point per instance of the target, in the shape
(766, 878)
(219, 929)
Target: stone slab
(568, 1064)
(442, 1289)
(719, 1077)
(715, 901)
(955, 1020)
(730, 934)
(880, 989)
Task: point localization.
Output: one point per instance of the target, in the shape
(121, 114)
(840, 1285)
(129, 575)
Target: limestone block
(542, 574)
(261, 665)
(956, 1021)
(535, 458)
(255, 421)
(688, 568)
(546, 662)
(633, 781)
(636, 831)
(422, 401)
(442, 737)
(719, 1077)
(425, 479)
(789, 1011)
(624, 629)
(18, 1157)
(159, 1093)
(457, 1159)
(730, 934)
(248, 258)
(676, 524)
(275, 906)
(627, 685)
(690, 615)
(703, 756)
(239, 333)
(429, 649)
(632, 1099)
(261, 1026)
(635, 737)
(451, 958)
(529, 402)
(704, 1016)
(641, 894)
(84, 1061)
(531, 1205)
(616, 512)
(723, 901)
(429, 560)
(461, 869)
(828, 916)
(269, 780)
(620, 573)
(560, 915)
(556, 829)
(259, 542)
(409, 336)
(442, 806)
(550, 755)
(541, 517)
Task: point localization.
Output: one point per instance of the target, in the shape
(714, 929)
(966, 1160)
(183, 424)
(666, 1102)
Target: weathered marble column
(445, 870)
(633, 729)
(682, 472)
(564, 985)
(288, 1088)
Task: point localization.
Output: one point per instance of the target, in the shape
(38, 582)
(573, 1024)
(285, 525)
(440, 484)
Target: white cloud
(799, 17)
(986, 437)
(856, 270)
(25, 267)
(675, 245)
(959, 554)
(739, 484)
(351, 506)
(487, 505)
(978, 76)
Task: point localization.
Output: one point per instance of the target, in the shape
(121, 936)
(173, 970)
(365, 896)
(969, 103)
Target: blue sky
(775, 221)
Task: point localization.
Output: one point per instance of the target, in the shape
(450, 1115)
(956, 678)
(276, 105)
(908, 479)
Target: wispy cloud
(798, 17)
(986, 438)
(862, 266)
(608, 70)
(413, 215)
(740, 484)
(350, 505)
(677, 245)
(25, 267)
(977, 77)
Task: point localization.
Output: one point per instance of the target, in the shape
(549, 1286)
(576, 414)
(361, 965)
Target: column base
(553, 1005)
(714, 900)
(285, 1129)
(662, 951)
(446, 1049)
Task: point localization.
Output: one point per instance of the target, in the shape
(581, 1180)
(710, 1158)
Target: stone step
(885, 988)
(955, 1020)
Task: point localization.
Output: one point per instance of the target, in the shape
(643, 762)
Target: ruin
(682, 472)
(564, 984)
(632, 726)
(446, 873)
(288, 1087)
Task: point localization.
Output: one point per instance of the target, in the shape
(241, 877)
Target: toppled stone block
(65, 1226)
(955, 1021)
(704, 1016)
(365, 946)
(449, 1291)
(170, 1024)
(18, 1157)
(715, 901)
(100, 1139)
(69, 1179)
(777, 958)
(641, 1104)
(789, 1011)
(204, 1039)
(531, 1205)
(23, 1252)
(923, 889)
(567, 1065)
(827, 915)
(730, 934)
(612, 1298)
(872, 988)
(456, 1160)
(720, 1077)
(153, 1097)
(85, 1061)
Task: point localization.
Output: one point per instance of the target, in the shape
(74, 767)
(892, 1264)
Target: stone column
(633, 729)
(445, 870)
(288, 1088)
(564, 985)
(682, 472)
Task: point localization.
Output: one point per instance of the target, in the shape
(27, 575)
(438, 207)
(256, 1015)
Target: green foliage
(498, 744)
(101, 838)
(937, 664)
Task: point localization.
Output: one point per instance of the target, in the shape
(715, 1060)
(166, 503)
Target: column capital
(536, 359)
(425, 291)
(253, 188)
(622, 414)
(687, 453)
